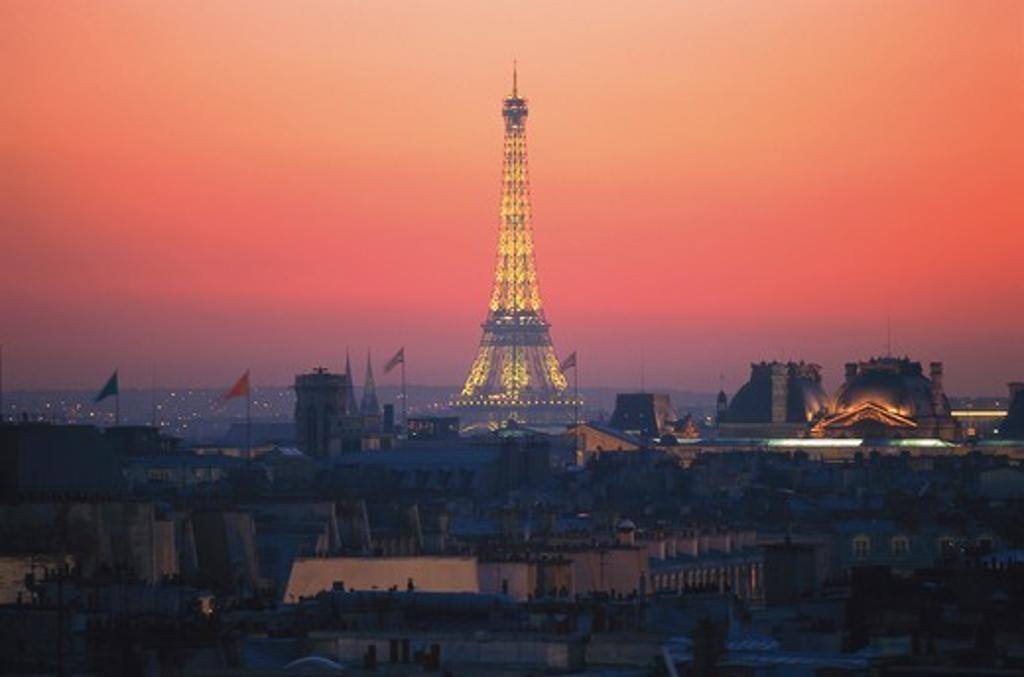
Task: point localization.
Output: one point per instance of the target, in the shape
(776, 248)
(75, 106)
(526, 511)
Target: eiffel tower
(515, 374)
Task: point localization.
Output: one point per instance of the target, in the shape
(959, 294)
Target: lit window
(861, 547)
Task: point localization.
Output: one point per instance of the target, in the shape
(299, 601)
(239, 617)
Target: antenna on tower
(888, 334)
(643, 370)
(515, 79)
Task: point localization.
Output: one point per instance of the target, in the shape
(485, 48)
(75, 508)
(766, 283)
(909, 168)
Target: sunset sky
(209, 186)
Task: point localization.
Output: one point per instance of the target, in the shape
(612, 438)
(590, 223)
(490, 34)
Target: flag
(109, 389)
(398, 359)
(240, 389)
(569, 362)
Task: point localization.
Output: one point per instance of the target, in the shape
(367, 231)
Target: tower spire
(369, 406)
(515, 371)
(350, 388)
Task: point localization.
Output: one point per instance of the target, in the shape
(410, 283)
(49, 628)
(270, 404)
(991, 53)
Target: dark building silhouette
(779, 400)
(321, 398)
(789, 572)
(328, 421)
(721, 405)
(43, 460)
(1012, 426)
(649, 415)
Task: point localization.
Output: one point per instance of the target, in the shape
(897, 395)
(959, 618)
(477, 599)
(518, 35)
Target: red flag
(240, 389)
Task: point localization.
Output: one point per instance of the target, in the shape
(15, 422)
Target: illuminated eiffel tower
(515, 373)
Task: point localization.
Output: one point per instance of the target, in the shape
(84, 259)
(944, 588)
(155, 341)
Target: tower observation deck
(516, 373)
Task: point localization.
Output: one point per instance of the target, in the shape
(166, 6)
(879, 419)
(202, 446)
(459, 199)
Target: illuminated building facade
(516, 373)
(890, 397)
(881, 398)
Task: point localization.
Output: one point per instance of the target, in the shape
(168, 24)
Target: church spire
(351, 407)
(370, 406)
(515, 79)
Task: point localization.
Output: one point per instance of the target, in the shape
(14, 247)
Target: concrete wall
(521, 577)
(115, 533)
(618, 569)
(433, 574)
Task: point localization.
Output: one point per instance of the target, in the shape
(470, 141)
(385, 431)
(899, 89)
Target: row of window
(899, 546)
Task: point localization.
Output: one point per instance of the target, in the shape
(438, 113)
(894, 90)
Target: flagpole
(153, 398)
(405, 412)
(248, 418)
(576, 391)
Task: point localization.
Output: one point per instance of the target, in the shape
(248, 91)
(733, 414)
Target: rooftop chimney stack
(938, 398)
(779, 383)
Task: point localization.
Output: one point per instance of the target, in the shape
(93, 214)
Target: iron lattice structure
(516, 372)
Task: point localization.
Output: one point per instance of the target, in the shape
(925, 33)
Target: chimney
(626, 533)
(938, 403)
(778, 392)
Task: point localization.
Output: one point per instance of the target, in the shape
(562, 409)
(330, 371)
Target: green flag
(109, 389)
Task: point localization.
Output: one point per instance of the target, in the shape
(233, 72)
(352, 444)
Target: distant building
(433, 427)
(646, 415)
(1012, 427)
(881, 398)
(321, 399)
(888, 397)
(328, 421)
(595, 439)
(781, 399)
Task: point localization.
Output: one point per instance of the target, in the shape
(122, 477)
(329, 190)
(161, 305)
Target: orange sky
(216, 185)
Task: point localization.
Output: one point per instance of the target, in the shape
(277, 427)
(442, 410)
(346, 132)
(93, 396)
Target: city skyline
(803, 177)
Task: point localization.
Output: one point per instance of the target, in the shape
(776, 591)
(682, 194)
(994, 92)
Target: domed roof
(805, 398)
(896, 384)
